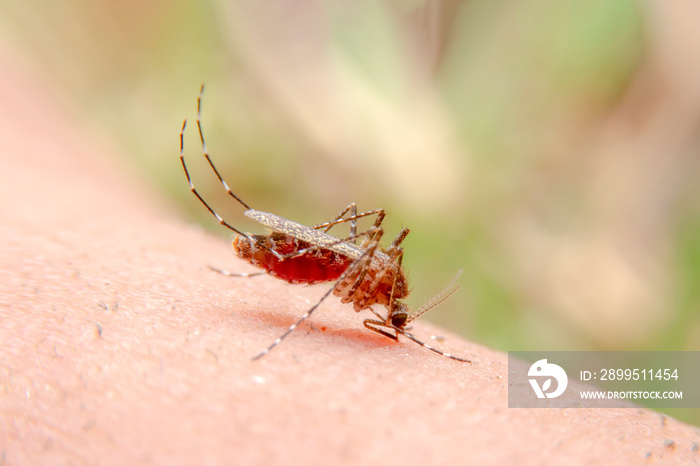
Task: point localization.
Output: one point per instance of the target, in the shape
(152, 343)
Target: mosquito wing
(304, 233)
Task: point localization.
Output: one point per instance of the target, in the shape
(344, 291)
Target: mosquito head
(399, 314)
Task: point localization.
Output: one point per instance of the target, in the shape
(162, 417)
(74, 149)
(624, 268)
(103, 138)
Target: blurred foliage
(549, 149)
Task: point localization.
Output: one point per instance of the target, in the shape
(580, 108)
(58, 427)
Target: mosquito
(364, 274)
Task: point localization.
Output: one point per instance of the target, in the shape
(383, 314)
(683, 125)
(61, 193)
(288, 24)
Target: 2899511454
(639, 374)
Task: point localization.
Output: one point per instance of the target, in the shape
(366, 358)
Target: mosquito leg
(194, 190)
(377, 225)
(378, 326)
(369, 253)
(206, 153)
(218, 175)
(381, 324)
(352, 218)
(292, 327)
(235, 274)
(352, 208)
(394, 249)
(397, 266)
(396, 253)
(308, 313)
(370, 323)
(427, 346)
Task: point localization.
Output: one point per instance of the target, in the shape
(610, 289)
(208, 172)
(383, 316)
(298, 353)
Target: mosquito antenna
(438, 299)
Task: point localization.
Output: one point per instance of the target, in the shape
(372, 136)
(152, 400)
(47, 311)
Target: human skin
(120, 346)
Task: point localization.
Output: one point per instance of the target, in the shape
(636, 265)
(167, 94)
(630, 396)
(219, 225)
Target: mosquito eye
(399, 320)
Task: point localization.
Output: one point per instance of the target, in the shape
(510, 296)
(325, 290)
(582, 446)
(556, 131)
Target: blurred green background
(548, 149)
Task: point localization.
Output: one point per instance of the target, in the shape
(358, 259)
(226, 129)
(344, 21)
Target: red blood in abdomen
(316, 266)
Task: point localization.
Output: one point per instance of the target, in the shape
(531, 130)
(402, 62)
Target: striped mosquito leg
(206, 152)
(427, 346)
(308, 313)
(399, 258)
(352, 218)
(235, 274)
(352, 208)
(293, 327)
(194, 190)
(369, 253)
(395, 249)
(380, 325)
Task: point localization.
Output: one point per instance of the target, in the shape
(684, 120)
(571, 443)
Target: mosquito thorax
(249, 249)
(242, 245)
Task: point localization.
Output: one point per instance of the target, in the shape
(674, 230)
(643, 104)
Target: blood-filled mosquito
(364, 274)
